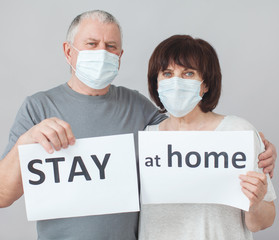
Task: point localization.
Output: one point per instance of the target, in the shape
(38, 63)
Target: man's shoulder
(50, 92)
(55, 91)
(124, 90)
(129, 94)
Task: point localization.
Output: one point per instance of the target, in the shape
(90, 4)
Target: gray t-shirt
(120, 111)
(201, 221)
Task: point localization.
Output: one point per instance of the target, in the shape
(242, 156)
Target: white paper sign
(94, 176)
(195, 166)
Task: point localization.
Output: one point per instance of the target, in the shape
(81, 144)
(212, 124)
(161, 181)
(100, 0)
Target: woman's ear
(204, 89)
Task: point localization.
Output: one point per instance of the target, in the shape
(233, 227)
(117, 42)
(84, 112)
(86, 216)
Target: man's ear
(67, 51)
(122, 51)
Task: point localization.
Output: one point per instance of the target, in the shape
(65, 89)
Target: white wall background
(245, 34)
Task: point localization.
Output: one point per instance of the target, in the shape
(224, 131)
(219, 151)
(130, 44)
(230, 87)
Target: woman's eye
(189, 74)
(166, 74)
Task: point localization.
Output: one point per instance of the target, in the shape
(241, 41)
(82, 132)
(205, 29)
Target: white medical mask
(96, 68)
(179, 96)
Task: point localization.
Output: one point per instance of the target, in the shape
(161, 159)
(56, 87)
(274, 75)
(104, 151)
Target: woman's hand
(254, 186)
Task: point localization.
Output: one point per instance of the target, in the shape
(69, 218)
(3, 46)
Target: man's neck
(78, 86)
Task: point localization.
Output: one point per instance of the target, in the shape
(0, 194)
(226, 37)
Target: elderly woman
(184, 79)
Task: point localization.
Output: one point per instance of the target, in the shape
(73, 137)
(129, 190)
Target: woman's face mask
(179, 89)
(179, 96)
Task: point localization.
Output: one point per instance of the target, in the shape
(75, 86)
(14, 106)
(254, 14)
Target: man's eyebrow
(111, 42)
(92, 39)
(96, 40)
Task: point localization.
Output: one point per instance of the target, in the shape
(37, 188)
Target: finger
(52, 136)
(41, 139)
(68, 130)
(271, 173)
(265, 163)
(267, 153)
(273, 150)
(249, 195)
(61, 133)
(257, 175)
(253, 178)
(250, 180)
(262, 136)
(268, 169)
(250, 187)
(258, 190)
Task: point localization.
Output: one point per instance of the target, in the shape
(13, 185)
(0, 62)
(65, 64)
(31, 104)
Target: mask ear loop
(119, 56)
(74, 47)
(203, 92)
(68, 60)
(70, 64)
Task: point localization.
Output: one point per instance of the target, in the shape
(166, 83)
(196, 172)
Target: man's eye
(91, 44)
(111, 46)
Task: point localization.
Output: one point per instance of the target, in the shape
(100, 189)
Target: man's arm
(52, 134)
(268, 157)
(149, 111)
(10, 179)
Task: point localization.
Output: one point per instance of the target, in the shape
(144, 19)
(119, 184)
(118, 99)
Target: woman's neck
(193, 121)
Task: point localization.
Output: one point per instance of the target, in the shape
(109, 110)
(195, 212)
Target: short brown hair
(197, 54)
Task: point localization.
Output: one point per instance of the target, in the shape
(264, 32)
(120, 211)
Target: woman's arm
(261, 213)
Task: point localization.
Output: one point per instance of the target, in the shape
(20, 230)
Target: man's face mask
(96, 68)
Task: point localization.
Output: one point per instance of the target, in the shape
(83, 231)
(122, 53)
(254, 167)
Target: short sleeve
(151, 113)
(23, 122)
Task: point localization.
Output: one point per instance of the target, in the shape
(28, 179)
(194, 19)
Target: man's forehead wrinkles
(96, 40)
(92, 39)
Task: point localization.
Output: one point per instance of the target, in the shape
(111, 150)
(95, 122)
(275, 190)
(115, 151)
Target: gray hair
(102, 16)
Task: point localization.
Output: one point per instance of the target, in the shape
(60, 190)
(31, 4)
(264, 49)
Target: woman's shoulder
(235, 123)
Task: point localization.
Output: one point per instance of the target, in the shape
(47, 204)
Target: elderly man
(86, 106)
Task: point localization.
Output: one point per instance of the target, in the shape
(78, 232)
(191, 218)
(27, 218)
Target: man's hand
(268, 157)
(50, 133)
